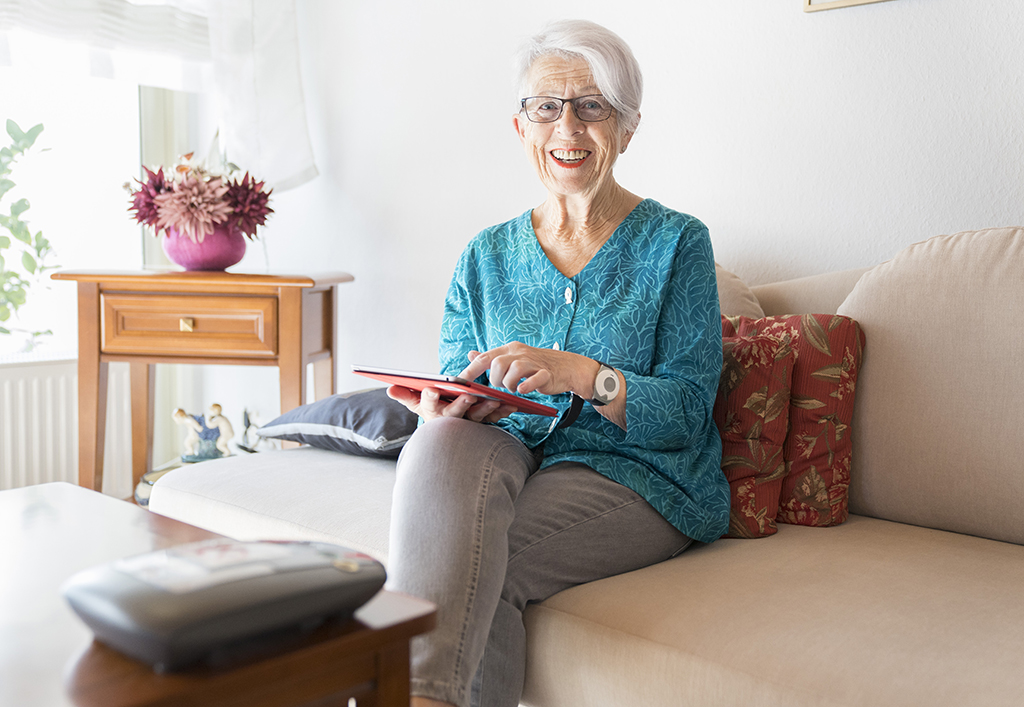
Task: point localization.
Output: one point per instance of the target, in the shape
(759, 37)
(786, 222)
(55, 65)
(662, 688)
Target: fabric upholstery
(752, 414)
(292, 494)
(938, 422)
(818, 449)
(734, 297)
(815, 293)
(864, 614)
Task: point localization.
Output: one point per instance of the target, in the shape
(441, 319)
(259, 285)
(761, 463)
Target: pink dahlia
(193, 206)
(249, 204)
(144, 200)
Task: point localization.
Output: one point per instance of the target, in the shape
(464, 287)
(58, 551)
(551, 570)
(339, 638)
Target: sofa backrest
(817, 294)
(938, 418)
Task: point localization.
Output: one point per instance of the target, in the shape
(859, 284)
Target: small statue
(207, 438)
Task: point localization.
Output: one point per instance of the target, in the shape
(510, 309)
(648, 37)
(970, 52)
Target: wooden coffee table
(48, 657)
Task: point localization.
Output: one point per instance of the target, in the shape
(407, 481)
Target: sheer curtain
(243, 52)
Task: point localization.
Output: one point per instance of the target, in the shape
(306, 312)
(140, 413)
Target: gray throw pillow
(367, 423)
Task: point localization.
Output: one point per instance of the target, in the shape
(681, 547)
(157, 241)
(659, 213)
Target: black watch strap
(572, 413)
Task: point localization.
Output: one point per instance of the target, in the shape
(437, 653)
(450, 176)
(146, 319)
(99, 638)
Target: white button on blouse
(568, 295)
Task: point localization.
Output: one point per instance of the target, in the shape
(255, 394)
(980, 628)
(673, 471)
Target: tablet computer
(452, 387)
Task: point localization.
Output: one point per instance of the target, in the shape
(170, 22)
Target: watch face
(606, 387)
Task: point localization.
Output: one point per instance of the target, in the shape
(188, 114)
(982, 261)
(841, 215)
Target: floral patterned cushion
(752, 414)
(828, 349)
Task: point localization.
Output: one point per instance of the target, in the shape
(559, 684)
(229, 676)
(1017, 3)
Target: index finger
(480, 364)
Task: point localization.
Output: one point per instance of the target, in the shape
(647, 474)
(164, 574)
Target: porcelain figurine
(207, 437)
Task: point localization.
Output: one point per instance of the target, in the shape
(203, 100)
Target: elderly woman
(595, 295)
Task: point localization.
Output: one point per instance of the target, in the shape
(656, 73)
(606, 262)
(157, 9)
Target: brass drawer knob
(186, 324)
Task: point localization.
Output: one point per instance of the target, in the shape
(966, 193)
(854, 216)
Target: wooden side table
(145, 318)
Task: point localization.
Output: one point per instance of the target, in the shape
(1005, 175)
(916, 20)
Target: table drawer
(189, 325)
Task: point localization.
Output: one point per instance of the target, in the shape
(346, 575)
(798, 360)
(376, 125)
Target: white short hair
(610, 59)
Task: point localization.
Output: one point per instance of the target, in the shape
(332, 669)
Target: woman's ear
(520, 126)
(627, 136)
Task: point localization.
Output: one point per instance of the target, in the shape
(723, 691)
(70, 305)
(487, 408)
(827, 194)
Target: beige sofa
(917, 599)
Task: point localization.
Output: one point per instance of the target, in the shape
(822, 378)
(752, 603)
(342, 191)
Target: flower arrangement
(194, 198)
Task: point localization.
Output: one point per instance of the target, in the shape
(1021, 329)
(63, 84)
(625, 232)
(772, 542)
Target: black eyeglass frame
(561, 108)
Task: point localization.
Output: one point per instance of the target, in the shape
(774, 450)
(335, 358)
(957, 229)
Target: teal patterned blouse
(646, 304)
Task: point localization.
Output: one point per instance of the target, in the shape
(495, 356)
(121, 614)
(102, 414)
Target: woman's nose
(568, 121)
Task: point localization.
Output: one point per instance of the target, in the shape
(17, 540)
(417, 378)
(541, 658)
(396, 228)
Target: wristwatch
(606, 385)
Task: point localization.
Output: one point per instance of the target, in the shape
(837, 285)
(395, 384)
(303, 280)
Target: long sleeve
(669, 405)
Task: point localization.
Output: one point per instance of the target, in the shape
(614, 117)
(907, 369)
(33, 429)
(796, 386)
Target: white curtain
(243, 52)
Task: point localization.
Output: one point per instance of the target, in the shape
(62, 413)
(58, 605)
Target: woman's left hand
(524, 369)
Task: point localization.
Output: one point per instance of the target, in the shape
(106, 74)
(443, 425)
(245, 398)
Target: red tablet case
(451, 387)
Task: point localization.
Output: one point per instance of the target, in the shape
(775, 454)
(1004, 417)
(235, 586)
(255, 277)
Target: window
(73, 178)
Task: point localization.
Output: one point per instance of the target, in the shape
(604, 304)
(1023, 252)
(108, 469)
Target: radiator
(39, 426)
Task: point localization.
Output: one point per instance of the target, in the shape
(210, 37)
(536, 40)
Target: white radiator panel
(39, 426)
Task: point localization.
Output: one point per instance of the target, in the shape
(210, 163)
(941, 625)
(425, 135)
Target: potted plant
(23, 254)
(204, 215)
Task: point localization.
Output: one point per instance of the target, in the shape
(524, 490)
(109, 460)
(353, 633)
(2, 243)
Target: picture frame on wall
(816, 5)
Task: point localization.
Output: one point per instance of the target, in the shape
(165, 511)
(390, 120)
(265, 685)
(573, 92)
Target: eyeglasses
(548, 109)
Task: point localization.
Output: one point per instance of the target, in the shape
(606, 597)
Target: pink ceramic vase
(218, 250)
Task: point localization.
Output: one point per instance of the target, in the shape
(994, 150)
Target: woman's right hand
(428, 404)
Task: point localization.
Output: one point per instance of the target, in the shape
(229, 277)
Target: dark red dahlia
(143, 200)
(249, 204)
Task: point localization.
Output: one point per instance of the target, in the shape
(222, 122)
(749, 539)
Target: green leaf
(5, 242)
(815, 334)
(16, 297)
(757, 401)
(20, 231)
(19, 207)
(5, 186)
(28, 262)
(805, 403)
(16, 133)
(831, 373)
(33, 133)
(777, 404)
(731, 461)
(3, 330)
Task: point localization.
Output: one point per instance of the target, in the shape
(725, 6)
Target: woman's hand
(429, 404)
(524, 369)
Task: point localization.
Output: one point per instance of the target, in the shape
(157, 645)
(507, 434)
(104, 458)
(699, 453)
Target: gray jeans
(476, 529)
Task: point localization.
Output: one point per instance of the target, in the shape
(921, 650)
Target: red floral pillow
(752, 414)
(828, 350)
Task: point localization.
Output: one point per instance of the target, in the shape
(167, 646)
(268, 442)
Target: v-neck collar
(612, 241)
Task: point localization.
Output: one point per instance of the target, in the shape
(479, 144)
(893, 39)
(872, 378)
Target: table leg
(92, 389)
(142, 388)
(323, 378)
(393, 675)
(290, 361)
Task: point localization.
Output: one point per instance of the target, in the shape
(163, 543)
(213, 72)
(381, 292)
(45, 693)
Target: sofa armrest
(816, 294)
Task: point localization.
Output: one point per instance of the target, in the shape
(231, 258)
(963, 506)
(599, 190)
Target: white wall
(806, 142)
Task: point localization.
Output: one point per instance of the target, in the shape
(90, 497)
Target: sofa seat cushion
(293, 494)
(867, 613)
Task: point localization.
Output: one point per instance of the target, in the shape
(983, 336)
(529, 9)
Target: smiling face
(572, 157)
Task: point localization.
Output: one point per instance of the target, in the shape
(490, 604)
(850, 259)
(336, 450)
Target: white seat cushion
(293, 494)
